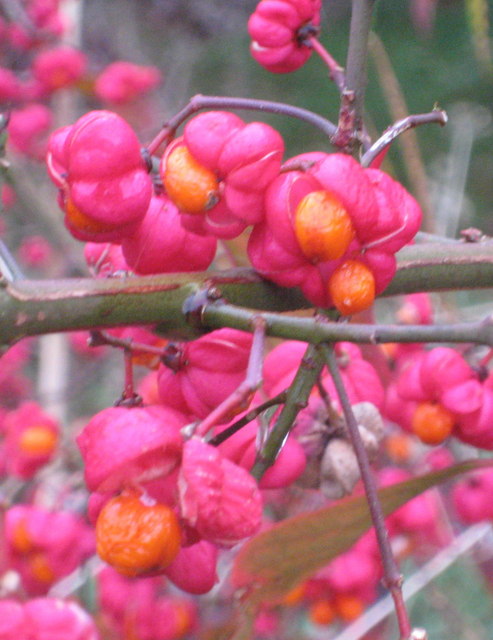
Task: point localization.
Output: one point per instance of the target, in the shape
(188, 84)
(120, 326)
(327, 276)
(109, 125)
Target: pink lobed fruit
(238, 159)
(45, 16)
(9, 86)
(44, 545)
(421, 514)
(356, 572)
(122, 446)
(384, 217)
(29, 128)
(241, 448)
(35, 252)
(202, 373)
(279, 28)
(105, 260)
(138, 607)
(161, 244)
(13, 622)
(217, 497)
(194, 568)
(7, 197)
(122, 82)
(58, 68)
(31, 439)
(104, 184)
(471, 497)
(54, 618)
(442, 376)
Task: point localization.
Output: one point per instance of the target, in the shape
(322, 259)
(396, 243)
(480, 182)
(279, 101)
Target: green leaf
(275, 561)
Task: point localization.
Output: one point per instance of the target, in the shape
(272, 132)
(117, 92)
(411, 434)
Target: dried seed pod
(339, 471)
(369, 440)
(368, 415)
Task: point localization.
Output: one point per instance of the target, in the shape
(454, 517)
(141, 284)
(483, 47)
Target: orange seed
(432, 423)
(136, 538)
(38, 440)
(190, 185)
(322, 612)
(322, 226)
(352, 287)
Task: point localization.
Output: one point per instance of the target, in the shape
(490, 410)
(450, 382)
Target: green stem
(31, 307)
(443, 267)
(297, 398)
(316, 330)
(171, 303)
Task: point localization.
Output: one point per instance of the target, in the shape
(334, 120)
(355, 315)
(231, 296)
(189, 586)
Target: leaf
(276, 560)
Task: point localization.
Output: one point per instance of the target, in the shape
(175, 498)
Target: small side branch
(241, 397)
(200, 102)
(382, 144)
(297, 398)
(336, 72)
(222, 436)
(218, 315)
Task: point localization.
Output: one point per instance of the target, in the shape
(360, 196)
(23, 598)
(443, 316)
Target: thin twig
(102, 338)
(221, 437)
(241, 397)
(418, 581)
(336, 72)
(217, 315)
(129, 397)
(199, 102)
(392, 576)
(436, 116)
(424, 236)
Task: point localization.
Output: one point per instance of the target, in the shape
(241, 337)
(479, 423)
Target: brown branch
(392, 575)
(350, 125)
(200, 102)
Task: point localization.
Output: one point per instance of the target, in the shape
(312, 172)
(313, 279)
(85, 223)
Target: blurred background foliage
(438, 49)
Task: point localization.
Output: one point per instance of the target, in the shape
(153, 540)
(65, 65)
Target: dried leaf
(276, 560)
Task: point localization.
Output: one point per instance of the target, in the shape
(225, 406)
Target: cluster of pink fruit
(437, 393)
(167, 497)
(42, 618)
(143, 609)
(141, 469)
(35, 65)
(43, 546)
(312, 227)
